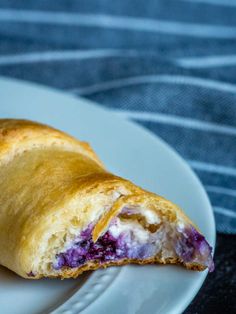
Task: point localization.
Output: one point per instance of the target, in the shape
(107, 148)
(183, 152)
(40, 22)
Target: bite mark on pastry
(135, 237)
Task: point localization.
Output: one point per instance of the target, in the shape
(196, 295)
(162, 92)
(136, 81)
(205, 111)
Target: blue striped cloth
(169, 65)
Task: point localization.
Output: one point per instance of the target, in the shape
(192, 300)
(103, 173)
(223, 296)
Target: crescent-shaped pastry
(62, 212)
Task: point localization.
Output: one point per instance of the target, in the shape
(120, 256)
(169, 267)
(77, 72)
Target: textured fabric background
(169, 65)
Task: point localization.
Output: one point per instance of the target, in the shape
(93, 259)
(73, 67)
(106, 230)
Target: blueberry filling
(31, 274)
(193, 247)
(107, 248)
(187, 244)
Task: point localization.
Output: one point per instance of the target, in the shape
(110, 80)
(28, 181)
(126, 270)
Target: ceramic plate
(129, 151)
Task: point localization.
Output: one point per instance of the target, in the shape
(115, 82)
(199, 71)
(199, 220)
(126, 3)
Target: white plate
(134, 153)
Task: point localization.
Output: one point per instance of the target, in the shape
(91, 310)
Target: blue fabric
(169, 65)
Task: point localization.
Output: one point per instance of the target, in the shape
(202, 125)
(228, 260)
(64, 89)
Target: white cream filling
(151, 243)
(140, 235)
(151, 217)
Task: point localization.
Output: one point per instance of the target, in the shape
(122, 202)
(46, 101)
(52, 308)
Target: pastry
(62, 213)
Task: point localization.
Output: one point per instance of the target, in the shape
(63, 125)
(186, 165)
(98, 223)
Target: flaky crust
(93, 265)
(50, 182)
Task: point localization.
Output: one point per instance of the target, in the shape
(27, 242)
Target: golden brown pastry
(62, 212)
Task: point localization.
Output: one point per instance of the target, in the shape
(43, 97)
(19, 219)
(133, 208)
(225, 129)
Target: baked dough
(62, 212)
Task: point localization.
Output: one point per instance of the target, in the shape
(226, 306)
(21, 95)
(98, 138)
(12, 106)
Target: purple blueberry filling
(31, 274)
(192, 246)
(189, 245)
(107, 248)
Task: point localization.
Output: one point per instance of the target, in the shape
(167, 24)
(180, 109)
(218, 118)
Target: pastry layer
(63, 213)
